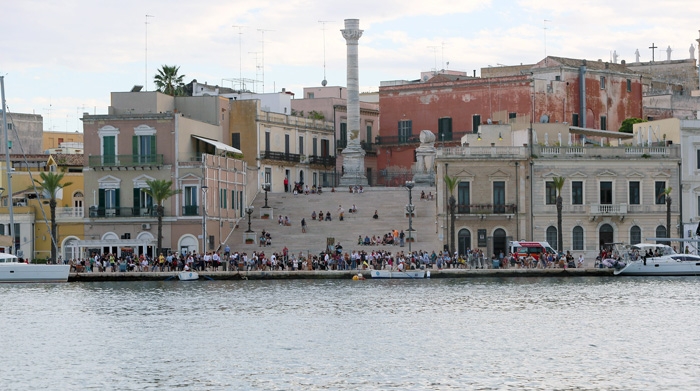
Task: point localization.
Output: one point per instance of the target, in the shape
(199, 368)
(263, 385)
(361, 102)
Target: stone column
(353, 154)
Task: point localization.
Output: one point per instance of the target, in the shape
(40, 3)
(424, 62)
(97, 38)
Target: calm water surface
(480, 334)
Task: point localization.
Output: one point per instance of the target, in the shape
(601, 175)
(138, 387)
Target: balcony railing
(69, 212)
(603, 209)
(322, 160)
(286, 157)
(190, 210)
(125, 161)
(122, 212)
(415, 138)
(482, 209)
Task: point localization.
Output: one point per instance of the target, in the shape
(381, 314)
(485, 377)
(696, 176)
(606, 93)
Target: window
(603, 122)
(143, 203)
(577, 193)
(343, 134)
(190, 207)
(233, 199)
(629, 85)
(476, 121)
(222, 198)
(369, 134)
(602, 82)
(499, 197)
(109, 149)
(634, 190)
(659, 189)
(697, 159)
(445, 129)
(606, 194)
(267, 141)
(512, 115)
(314, 146)
(552, 237)
(577, 238)
(635, 235)
(309, 95)
(236, 140)
(108, 202)
(286, 144)
(60, 141)
(463, 197)
(574, 119)
(405, 130)
(144, 149)
(550, 193)
(661, 233)
(268, 175)
(325, 148)
(557, 78)
(301, 145)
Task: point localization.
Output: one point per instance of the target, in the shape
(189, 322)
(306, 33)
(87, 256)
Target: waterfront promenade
(335, 274)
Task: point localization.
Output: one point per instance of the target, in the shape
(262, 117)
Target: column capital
(352, 34)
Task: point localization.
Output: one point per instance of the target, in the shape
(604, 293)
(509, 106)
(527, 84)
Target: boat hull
(188, 276)
(660, 269)
(23, 272)
(397, 274)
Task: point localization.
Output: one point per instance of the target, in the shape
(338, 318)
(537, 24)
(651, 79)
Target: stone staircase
(389, 202)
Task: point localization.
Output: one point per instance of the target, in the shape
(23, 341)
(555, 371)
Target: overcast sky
(62, 58)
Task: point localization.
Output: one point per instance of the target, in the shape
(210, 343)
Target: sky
(60, 59)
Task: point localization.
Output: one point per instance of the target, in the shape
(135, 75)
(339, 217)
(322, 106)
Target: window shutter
(153, 147)
(137, 201)
(135, 145)
(102, 198)
(116, 198)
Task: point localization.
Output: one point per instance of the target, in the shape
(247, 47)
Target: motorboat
(188, 276)
(397, 274)
(665, 261)
(12, 270)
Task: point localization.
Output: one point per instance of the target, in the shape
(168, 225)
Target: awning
(599, 133)
(218, 145)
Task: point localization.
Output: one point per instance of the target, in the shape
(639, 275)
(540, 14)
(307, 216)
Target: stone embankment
(336, 274)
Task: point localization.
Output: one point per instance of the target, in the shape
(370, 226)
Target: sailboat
(11, 269)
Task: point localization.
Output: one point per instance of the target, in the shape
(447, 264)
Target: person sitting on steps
(376, 215)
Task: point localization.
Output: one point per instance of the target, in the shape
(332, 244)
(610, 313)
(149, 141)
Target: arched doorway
(148, 250)
(301, 177)
(499, 242)
(464, 241)
(187, 244)
(606, 235)
(110, 249)
(552, 238)
(69, 250)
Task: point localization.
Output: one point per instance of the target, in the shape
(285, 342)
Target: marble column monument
(424, 172)
(353, 154)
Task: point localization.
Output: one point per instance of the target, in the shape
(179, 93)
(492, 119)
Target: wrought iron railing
(482, 209)
(122, 212)
(282, 156)
(190, 210)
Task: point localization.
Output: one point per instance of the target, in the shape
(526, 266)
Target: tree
(160, 190)
(628, 124)
(451, 183)
(50, 184)
(169, 82)
(559, 184)
(667, 196)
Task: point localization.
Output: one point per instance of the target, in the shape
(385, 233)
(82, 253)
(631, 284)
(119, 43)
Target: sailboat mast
(7, 164)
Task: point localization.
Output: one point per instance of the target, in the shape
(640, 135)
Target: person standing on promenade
(286, 184)
(303, 225)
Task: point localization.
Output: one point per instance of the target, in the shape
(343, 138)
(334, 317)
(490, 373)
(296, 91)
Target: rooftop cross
(652, 47)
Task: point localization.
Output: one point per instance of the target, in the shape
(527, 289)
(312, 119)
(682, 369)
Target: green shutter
(153, 148)
(233, 199)
(116, 198)
(135, 146)
(101, 198)
(137, 201)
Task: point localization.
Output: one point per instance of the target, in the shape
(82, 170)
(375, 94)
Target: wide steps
(390, 204)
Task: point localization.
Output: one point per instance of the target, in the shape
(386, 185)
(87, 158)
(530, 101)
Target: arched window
(606, 235)
(661, 233)
(552, 237)
(465, 241)
(577, 238)
(635, 235)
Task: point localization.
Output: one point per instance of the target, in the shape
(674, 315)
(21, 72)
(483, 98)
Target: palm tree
(50, 184)
(160, 190)
(559, 184)
(168, 81)
(667, 195)
(451, 183)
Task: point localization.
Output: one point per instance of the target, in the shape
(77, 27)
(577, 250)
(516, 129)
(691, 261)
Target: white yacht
(664, 261)
(397, 274)
(11, 270)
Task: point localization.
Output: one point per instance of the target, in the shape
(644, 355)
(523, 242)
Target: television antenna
(240, 55)
(262, 32)
(145, 84)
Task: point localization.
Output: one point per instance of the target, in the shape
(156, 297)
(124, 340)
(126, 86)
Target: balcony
(608, 209)
(125, 161)
(281, 156)
(415, 138)
(322, 160)
(190, 210)
(487, 209)
(122, 212)
(68, 213)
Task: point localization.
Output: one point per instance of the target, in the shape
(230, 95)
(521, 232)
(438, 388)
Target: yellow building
(32, 215)
(53, 140)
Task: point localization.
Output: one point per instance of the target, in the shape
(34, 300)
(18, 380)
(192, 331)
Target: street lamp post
(204, 219)
(410, 208)
(249, 211)
(266, 188)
